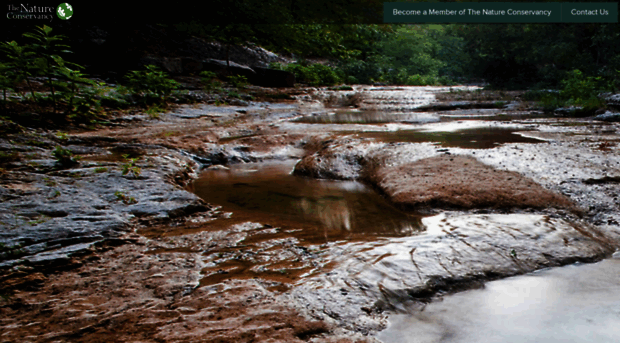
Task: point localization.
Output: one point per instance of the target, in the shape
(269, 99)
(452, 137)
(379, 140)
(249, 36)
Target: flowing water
(576, 303)
(394, 252)
(368, 117)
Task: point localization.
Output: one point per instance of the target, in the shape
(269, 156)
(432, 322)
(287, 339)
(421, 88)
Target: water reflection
(327, 210)
(478, 138)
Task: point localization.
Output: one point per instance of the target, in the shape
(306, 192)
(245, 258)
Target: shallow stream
(386, 253)
(576, 303)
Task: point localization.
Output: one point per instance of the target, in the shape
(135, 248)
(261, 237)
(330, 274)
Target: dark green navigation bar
(500, 12)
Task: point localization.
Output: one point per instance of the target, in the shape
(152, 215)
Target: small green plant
(127, 200)
(233, 94)
(64, 157)
(238, 81)
(80, 94)
(154, 111)
(208, 75)
(62, 135)
(49, 182)
(211, 84)
(130, 166)
(55, 194)
(276, 66)
(41, 220)
(151, 81)
(100, 170)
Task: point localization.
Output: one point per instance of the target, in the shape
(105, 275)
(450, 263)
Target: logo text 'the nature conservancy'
(27, 11)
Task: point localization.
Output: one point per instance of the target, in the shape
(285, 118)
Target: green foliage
(341, 88)
(12, 251)
(6, 82)
(316, 74)
(238, 81)
(41, 57)
(150, 82)
(99, 170)
(79, 93)
(526, 55)
(418, 80)
(412, 51)
(276, 66)
(116, 98)
(208, 75)
(130, 166)
(64, 157)
(127, 200)
(154, 111)
(411, 54)
(577, 90)
(18, 66)
(233, 94)
(211, 84)
(580, 90)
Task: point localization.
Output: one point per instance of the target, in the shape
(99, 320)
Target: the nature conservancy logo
(24, 11)
(64, 11)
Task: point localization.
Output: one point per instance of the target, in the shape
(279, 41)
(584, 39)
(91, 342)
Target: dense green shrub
(357, 71)
(577, 90)
(316, 74)
(151, 85)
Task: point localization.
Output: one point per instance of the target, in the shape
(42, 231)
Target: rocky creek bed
(92, 254)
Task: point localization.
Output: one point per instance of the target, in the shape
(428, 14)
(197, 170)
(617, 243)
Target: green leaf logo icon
(64, 11)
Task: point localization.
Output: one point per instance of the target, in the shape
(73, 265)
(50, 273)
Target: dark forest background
(348, 36)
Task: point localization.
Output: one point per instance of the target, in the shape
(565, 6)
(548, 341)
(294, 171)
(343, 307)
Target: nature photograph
(342, 171)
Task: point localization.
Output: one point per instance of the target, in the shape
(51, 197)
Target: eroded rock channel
(308, 220)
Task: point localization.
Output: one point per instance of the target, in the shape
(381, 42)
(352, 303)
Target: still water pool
(323, 210)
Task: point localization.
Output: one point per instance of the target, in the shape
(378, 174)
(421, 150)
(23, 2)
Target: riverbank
(92, 251)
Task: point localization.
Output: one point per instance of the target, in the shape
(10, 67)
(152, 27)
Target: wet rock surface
(460, 182)
(151, 261)
(50, 213)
